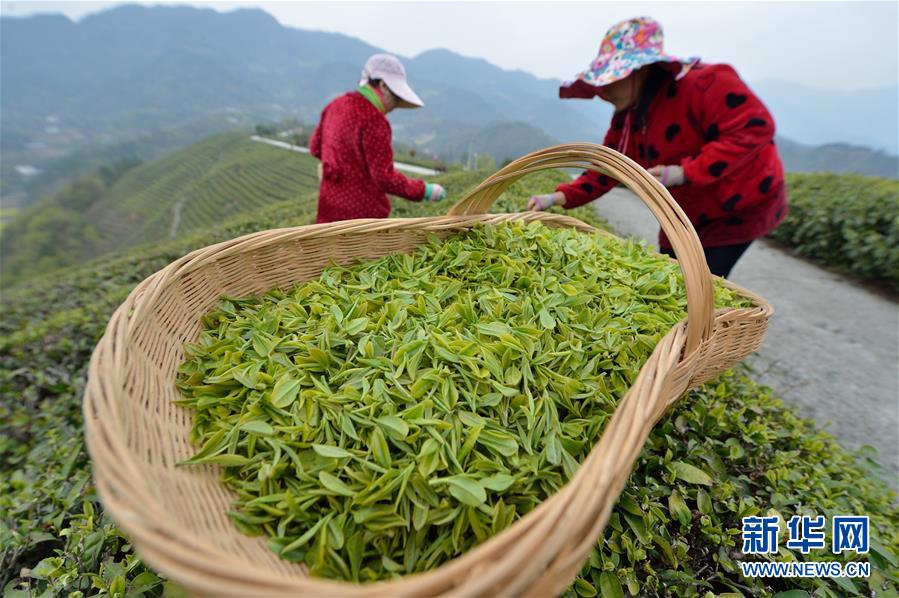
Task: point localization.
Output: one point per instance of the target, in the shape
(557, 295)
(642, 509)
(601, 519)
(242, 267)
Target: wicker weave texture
(176, 515)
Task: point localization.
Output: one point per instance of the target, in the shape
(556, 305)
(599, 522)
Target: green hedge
(56, 541)
(846, 221)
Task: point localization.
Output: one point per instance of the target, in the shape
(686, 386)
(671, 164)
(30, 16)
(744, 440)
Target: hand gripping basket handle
(680, 232)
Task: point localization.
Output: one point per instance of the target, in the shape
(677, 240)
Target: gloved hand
(434, 192)
(538, 203)
(670, 176)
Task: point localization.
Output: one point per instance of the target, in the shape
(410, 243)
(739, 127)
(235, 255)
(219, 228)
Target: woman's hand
(434, 192)
(539, 203)
(670, 176)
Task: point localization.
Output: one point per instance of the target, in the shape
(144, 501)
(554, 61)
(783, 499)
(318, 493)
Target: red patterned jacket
(710, 123)
(353, 141)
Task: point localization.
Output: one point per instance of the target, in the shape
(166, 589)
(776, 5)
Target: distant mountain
(517, 95)
(134, 69)
(121, 74)
(837, 157)
(501, 140)
(868, 117)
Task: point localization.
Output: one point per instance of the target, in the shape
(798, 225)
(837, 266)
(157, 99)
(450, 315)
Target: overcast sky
(832, 45)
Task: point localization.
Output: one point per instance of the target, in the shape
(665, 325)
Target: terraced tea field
(200, 186)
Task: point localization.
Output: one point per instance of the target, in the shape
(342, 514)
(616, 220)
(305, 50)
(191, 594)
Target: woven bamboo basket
(176, 515)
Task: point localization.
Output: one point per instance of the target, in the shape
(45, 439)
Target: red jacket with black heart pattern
(722, 135)
(353, 140)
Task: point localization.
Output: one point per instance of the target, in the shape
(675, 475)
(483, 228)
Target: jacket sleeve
(378, 152)
(591, 184)
(734, 122)
(315, 142)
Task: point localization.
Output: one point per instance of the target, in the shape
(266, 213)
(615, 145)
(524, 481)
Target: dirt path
(176, 217)
(832, 349)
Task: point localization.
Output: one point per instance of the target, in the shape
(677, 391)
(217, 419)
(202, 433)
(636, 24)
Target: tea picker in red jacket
(697, 127)
(353, 140)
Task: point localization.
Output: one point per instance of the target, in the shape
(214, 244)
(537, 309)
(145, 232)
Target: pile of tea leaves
(386, 417)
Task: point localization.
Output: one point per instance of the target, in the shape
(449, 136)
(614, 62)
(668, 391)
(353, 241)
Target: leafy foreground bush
(847, 221)
(55, 540)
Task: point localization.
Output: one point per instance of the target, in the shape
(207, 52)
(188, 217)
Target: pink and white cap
(390, 70)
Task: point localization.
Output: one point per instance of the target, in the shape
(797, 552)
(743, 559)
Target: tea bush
(847, 221)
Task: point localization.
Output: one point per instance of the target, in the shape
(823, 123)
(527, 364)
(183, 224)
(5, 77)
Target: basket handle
(591, 156)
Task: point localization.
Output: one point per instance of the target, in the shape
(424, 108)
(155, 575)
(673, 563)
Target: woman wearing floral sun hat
(696, 127)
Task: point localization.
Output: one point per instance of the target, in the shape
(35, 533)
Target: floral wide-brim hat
(627, 46)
